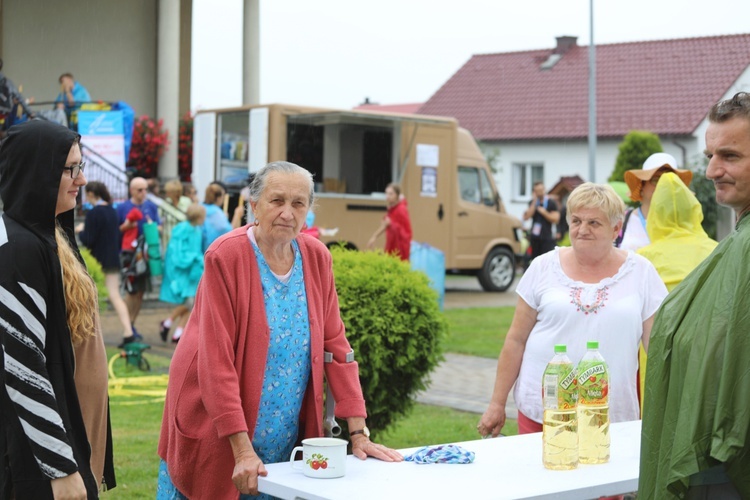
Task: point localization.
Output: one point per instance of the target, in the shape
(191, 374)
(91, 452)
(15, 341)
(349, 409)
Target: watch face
(366, 431)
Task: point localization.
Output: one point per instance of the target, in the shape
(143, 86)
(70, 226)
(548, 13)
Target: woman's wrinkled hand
(492, 421)
(362, 448)
(247, 468)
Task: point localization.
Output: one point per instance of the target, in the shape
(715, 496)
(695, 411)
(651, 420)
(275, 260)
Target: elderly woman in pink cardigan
(246, 381)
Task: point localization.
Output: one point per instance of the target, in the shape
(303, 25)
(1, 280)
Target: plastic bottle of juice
(593, 407)
(560, 426)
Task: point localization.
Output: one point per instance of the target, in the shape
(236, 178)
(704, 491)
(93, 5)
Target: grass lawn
(136, 411)
(436, 425)
(479, 331)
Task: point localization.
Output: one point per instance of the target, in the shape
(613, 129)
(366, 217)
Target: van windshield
(475, 186)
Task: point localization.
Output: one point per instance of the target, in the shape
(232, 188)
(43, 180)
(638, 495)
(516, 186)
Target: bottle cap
(560, 348)
(592, 344)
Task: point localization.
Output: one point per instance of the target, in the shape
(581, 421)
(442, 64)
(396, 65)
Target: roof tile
(664, 86)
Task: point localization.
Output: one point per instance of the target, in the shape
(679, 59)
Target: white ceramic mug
(322, 457)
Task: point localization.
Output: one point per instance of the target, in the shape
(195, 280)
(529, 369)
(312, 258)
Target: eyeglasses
(75, 170)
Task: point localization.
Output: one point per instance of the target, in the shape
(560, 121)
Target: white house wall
(742, 84)
(562, 158)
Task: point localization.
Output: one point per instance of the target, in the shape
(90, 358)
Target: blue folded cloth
(443, 454)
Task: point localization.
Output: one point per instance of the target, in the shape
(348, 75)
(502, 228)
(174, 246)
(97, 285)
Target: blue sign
(100, 123)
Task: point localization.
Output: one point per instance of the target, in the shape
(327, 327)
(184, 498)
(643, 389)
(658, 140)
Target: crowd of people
(256, 308)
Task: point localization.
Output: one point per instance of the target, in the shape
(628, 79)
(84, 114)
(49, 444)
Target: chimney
(564, 44)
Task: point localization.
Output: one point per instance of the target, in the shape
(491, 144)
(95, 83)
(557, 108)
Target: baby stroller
(134, 268)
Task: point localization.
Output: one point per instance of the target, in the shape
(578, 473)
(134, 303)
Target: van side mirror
(493, 202)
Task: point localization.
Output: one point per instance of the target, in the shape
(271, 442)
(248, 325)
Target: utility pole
(592, 96)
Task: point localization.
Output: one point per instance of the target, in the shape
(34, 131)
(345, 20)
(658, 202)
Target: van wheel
(498, 271)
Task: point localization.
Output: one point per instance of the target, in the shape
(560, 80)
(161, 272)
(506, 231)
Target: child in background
(183, 268)
(130, 235)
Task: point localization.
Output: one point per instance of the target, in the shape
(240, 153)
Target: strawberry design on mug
(317, 461)
(322, 457)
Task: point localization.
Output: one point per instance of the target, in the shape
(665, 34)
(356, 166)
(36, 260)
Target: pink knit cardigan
(217, 370)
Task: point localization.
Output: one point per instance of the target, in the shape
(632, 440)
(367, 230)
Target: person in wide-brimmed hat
(642, 184)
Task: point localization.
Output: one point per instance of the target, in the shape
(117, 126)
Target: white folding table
(504, 468)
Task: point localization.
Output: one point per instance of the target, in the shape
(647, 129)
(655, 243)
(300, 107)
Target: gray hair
(283, 167)
(736, 107)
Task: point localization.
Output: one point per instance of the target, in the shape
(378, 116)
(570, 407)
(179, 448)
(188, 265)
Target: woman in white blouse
(589, 291)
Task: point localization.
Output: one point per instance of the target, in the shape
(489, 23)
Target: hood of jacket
(675, 211)
(32, 158)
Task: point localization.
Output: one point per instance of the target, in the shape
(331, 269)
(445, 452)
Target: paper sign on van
(428, 155)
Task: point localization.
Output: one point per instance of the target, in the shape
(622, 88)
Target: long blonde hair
(81, 298)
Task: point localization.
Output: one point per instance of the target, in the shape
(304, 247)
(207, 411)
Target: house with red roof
(529, 109)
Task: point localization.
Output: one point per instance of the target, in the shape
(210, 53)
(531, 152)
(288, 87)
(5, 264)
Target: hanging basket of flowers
(150, 141)
(185, 148)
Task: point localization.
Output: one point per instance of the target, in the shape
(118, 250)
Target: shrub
(97, 274)
(633, 151)
(395, 327)
(705, 191)
(149, 143)
(185, 148)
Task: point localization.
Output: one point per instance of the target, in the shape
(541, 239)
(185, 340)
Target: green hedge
(395, 327)
(635, 147)
(95, 270)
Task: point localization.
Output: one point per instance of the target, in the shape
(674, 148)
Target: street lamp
(592, 96)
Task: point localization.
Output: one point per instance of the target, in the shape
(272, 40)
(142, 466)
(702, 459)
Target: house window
(524, 177)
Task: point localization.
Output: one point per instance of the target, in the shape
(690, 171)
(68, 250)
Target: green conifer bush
(395, 327)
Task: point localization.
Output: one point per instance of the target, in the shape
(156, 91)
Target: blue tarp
(128, 122)
(430, 261)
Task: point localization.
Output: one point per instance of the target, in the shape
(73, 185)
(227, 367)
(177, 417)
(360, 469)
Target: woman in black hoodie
(48, 322)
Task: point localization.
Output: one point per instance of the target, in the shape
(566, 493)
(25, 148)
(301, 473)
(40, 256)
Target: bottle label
(593, 384)
(559, 387)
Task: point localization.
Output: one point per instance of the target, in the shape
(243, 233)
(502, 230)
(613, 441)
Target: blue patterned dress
(287, 369)
(287, 364)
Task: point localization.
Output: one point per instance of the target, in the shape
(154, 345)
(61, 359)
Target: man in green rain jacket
(696, 422)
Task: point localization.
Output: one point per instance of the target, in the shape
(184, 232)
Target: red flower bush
(150, 141)
(185, 148)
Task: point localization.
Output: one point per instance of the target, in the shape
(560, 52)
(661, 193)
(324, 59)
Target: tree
(491, 155)
(706, 193)
(633, 151)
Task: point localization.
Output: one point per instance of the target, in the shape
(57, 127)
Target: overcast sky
(334, 53)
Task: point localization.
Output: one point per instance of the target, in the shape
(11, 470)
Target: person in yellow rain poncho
(678, 241)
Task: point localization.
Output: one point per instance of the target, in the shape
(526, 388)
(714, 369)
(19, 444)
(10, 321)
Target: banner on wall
(102, 132)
